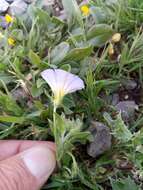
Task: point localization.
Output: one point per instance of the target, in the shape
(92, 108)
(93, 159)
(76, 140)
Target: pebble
(29, 1)
(9, 1)
(127, 109)
(3, 6)
(129, 84)
(48, 2)
(101, 139)
(18, 7)
(115, 99)
(19, 94)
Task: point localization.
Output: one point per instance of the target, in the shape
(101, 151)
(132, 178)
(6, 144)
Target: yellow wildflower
(116, 37)
(85, 10)
(8, 18)
(111, 49)
(11, 41)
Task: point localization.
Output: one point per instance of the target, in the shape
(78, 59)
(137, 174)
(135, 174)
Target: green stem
(55, 133)
(54, 123)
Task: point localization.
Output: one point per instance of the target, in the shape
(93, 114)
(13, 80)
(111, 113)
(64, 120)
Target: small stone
(19, 94)
(127, 109)
(9, 1)
(129, 84)
(47, 3)
(29, 1)
(126, 97)
(18, 7)
(115, 99)
(84, 2)
(101, 139)
(57, 9)
(62, 16)
(3, 6)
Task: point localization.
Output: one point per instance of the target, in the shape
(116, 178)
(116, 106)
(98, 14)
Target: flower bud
(116, 37)
(111, 49)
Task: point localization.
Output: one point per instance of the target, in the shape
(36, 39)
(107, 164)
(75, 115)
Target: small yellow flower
(85, 10)
(111, 49)
(8, 18)
(116, 37)
(11, 41)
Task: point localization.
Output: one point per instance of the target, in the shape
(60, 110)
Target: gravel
(101, 139)
(19, 7)
(3, 6)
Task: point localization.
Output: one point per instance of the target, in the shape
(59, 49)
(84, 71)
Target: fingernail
(40, 161)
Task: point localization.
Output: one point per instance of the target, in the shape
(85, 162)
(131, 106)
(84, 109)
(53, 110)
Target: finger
(12, 147)
(27, 170)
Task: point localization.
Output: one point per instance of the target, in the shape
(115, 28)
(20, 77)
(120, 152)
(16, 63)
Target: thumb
(28, 170)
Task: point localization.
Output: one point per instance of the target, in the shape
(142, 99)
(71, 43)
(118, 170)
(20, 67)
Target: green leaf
(99, 34)
(57, 21)
(43, 16)
(12, 119)
(39, 83)
(98, 14)
(18, 34)
(34, 58)
(99, 29)
(124, 184)
(68, 132)
(73, 13)
(59, 52)
(66, 67)
(79, 54)
(9, 105)
(6, 78)
(3, 67)
(76, 38)
(33, 115)
(36, 91)
(119, 129)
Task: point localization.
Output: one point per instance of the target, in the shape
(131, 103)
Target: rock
(3, 6)
(101, 139)
(62, 16)
(115, 99)
(19, 94)
(29, 1)
(9, 1)
(47, 3)
(111, 99)
(18, 7)
(127, 109)
(129, 84)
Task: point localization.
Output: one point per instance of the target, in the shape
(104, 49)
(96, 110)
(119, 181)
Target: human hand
(25, 165)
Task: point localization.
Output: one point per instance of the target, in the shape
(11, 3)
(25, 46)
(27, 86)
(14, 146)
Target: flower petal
(60, 80)
(50, 77)
(73, 84)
